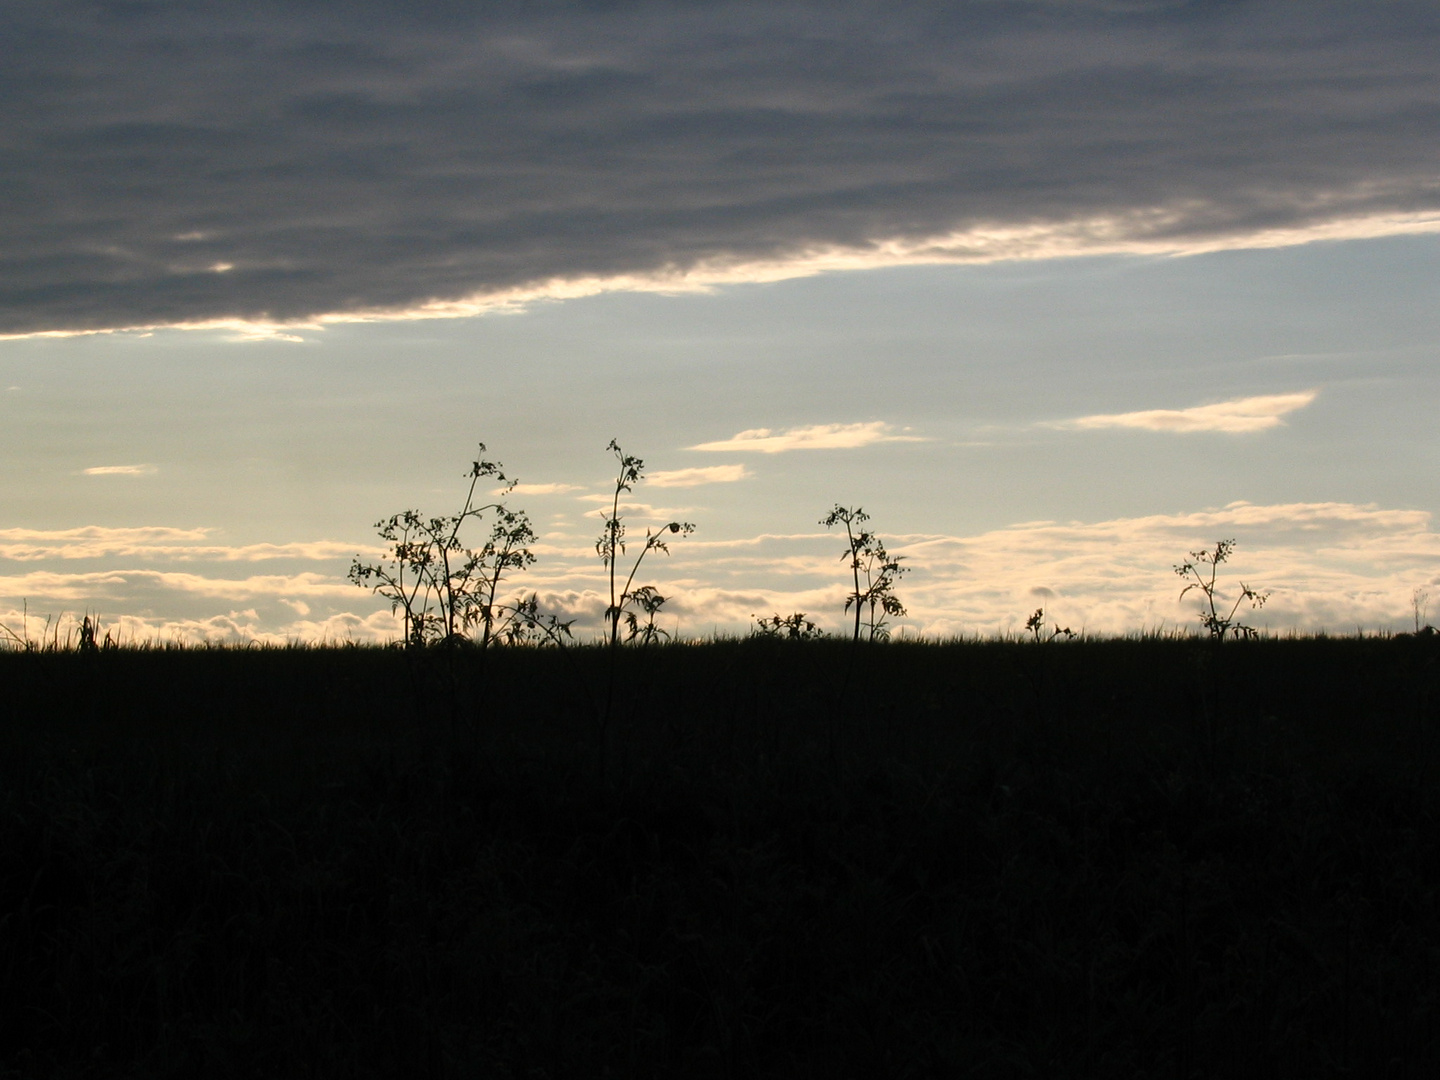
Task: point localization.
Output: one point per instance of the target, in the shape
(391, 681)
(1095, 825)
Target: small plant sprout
(89, 637)
(611, 546)
(794, 627)
(648, 599)
(1203, 566)
(1035, 625)
(872, 569)
(443, 588)
(1420, 606)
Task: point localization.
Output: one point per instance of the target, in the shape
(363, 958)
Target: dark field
(1131, 858)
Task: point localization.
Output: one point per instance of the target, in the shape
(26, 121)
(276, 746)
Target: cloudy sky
(1057, 291)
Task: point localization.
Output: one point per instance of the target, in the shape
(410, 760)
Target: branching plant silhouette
(1204, 581)
(1035, 625)
(1420, 608)
(1036, 670)
(1219, 688)
(627, 601)
(443, 588)
(611, 547)
(448, 592)
(873, 571)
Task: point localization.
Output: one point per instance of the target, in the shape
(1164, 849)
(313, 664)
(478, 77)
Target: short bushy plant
(1035, 625)
(793, 627)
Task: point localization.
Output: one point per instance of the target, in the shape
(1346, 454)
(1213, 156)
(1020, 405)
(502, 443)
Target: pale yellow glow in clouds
(120, 470)
(158, 543)
(1327, 565)
(539, 489)
(1232, 417)
(815, 437)
(714, 474)
(1153, 231)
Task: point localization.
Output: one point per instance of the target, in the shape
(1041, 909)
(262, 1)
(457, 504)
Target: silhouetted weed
(1204, 582)
(873, 572)
(445, 590)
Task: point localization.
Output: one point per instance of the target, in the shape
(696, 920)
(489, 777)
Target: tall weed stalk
(627, 597)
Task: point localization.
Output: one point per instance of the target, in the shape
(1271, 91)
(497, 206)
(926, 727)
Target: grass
(1136, 857)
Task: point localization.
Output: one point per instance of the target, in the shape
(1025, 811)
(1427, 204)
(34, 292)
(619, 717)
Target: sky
(1058, 292)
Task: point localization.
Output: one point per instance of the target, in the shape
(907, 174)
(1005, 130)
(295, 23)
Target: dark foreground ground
(1128, 858)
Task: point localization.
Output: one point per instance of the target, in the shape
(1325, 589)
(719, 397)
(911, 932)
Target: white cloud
(1330, 566)
(714, 474)
(1231, 417)
(814, 437)
(111, 584)
(643, 511)
(140, 534)
(158, 542)
(539, 489)
(120, 470)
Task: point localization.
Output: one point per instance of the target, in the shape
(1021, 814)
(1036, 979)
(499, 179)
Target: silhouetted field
(1136, 858)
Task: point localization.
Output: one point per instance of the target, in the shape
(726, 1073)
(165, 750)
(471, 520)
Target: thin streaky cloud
(980, 245)
(1238, 417)
(317, 550)
(713, 474)
(104, 585)
(162, 543)
(106, 534)
(814, 437)
(635, 509)
(539, 489)
(120, 470)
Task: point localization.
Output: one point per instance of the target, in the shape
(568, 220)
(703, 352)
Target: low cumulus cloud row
(180, 545)
(813, 437)
(194, 163)
(1335, 566)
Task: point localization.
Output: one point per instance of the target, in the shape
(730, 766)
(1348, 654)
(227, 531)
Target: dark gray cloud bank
(349, 156)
